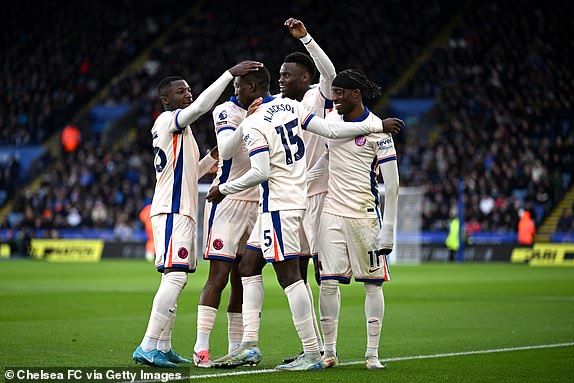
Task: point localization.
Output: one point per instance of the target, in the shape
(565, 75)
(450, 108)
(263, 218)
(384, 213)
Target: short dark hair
(302, 59)
(261, 77)
(165, 83)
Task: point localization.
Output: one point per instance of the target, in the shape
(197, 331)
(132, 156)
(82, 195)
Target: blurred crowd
(505, 97)
(57, 55)
(502, 85)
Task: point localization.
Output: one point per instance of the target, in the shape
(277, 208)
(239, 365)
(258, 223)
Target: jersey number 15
(294, 139)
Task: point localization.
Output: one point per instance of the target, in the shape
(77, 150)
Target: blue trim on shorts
(186, 267)
(219, 258)
(375, 280)
(285, 258)
(252, 248)
(343, 280)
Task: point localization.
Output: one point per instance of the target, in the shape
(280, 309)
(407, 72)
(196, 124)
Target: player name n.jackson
(277, 108)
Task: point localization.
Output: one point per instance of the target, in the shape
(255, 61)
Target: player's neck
(262, 95)
(301, 94)
(357, 112)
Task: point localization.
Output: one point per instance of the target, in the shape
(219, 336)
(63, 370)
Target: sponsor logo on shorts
(182, 253)
(218, 244)
(373, 269)
(360, 140)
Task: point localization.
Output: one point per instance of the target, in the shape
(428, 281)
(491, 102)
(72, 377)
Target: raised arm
(209, 96)
(322, 62)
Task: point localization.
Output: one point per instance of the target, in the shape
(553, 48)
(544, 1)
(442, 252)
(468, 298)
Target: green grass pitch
(94, 315)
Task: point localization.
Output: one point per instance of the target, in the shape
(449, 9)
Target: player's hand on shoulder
(245, 67)
(254, 105)
(214, 195)
(392, 125)
(296, 28)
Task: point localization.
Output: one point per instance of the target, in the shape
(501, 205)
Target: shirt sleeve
(228, 131)
(323, 64)
(260, 164)
(203, 103)
(205, 164)
(387, 160)
(321, 167)
(229, 141)
(337, 129)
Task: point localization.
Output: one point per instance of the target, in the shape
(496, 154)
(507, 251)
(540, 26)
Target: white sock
(374, 312)
(329, 306)
(315, 323)
(205, 320)
(165, 300)
(164, 342)
(252, 304)
(301, 309)
(234, 330)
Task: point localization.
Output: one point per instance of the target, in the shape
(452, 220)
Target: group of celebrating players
(296, 180)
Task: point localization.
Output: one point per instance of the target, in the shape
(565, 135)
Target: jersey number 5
(293, 140)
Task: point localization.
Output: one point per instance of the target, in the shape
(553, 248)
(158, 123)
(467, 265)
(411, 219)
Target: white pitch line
(397, 359)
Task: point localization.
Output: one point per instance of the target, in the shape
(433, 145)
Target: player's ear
(306, 77)
(164, 100)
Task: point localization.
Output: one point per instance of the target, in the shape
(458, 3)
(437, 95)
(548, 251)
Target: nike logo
(171, 310)
(146, 358)
(373, 269)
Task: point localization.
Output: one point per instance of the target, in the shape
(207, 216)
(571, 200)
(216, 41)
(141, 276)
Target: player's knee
(285, 281)
(248, 269)
(217, 282)
(178, 278)
(329, 287)
(373, 288)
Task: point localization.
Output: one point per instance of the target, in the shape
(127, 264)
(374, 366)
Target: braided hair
(356, 79)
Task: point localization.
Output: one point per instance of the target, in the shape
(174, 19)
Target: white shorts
(276, 233)
(310, 227)
(174, 237)
(347, 248)
(227, 225)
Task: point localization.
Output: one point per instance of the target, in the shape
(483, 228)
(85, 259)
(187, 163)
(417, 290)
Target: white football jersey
(353, 169)
(318, 104)
(176, 158)
(276, 127)
(228, 116)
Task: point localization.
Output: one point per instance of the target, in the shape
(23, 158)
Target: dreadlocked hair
(369, 89)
